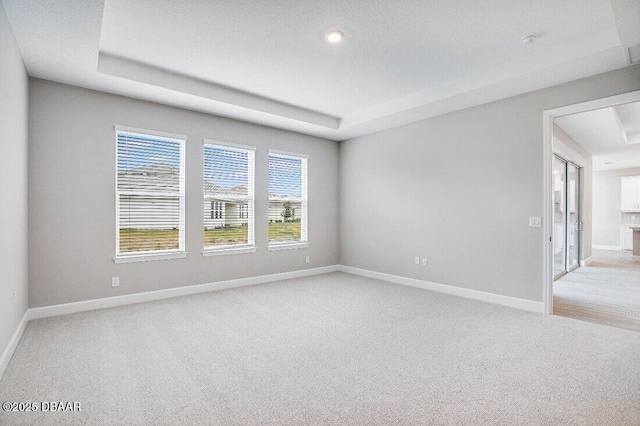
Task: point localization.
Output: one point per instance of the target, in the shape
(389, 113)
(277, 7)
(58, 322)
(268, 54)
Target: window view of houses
(150, 195)
(228, 196)
(285, 199)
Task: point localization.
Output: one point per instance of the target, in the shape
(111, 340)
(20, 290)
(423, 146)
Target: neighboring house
(222, 207)
(225, 207)
(277, 207)
(145, 211)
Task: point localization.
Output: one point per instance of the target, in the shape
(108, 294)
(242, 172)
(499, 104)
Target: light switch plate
(535, 222)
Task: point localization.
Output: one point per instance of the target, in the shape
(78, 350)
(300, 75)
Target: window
(228, 198)
(287, 200)
(149, 195)
(216, 210)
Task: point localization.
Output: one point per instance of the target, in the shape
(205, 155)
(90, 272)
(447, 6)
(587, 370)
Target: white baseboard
(13, 343)
(128, 299)
(586, 261)
(513, 302)
(599, 247)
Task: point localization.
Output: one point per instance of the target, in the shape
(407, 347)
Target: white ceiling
(268, 62)
(611, 135)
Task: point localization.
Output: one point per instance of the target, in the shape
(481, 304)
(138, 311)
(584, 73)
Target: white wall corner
(512, 302)
(13, 343)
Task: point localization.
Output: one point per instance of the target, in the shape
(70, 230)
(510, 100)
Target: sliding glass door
(559, 217)
(566, 216)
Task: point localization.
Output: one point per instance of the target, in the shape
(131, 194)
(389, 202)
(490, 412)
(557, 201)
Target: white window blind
(228, 196)
(287, 198)
(149, 194)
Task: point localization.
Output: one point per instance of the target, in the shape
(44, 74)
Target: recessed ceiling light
(528, 39)
(335, 36)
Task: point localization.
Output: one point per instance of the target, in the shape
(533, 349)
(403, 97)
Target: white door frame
(547, 203)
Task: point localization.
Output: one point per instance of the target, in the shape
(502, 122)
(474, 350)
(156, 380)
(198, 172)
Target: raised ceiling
(611, 135)
(268, 61)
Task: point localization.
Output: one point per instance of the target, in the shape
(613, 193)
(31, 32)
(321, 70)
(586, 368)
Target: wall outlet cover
(535, 222)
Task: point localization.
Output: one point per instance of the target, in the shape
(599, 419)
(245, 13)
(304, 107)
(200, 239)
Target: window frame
(304, 202)
(143, 256)
(250, 247)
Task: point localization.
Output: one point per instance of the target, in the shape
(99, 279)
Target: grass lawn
(148, 239)
(289, 231)
(227, 235)
(167, 239)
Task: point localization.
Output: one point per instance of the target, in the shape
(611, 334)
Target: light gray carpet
(329, 349)
(606, 291)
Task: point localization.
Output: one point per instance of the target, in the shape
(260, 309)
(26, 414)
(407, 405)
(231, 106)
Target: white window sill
(149, 257)
(287, 246)
(220, 251)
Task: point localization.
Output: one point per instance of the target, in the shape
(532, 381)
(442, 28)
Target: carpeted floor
(329, 349)
(606, 291)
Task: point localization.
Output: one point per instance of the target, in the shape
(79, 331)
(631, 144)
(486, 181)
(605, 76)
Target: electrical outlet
(115, 281)
(424, 261)
(417, 260)
(308, 259)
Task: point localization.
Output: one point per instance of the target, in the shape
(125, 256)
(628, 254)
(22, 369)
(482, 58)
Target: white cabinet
(630, 192)
(626, 238)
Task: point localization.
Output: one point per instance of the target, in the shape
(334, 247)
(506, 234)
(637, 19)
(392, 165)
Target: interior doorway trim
(547, 201)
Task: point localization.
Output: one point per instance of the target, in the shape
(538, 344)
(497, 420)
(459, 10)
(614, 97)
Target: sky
(136, 150)
(225, 168)
(285, 176)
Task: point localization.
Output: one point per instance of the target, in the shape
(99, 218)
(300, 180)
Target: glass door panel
(573, 216)
(559, 216)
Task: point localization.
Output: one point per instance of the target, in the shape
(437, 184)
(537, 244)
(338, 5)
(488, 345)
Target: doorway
(567, 222)
(592, 153)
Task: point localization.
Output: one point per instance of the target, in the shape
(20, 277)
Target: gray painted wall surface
(72, 196)
(13, 184)
(607, 199)
(569, 149)
(458, 189)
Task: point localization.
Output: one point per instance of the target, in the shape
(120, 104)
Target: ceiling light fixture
(335, 36)
(528, 39)
(607, 162)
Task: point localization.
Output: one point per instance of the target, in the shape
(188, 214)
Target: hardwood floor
(607, 291)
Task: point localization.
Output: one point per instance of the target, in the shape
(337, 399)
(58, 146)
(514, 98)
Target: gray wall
(607, 199)
(72, 196)
(13, 184)
(569, 149)
(458, 189)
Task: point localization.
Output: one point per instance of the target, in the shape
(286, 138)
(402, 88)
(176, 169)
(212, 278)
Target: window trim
(304, 202)
(250, 247)
(288, 246)
(145, 256)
